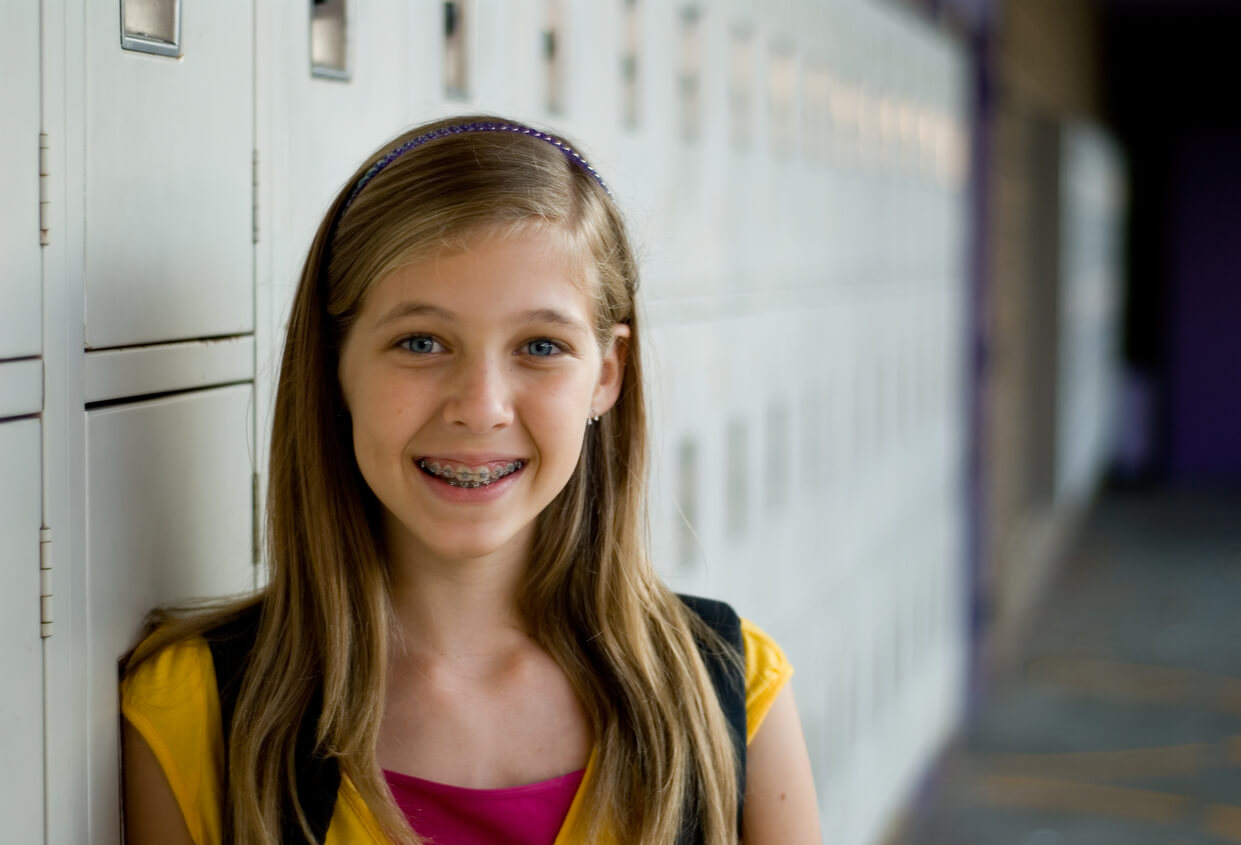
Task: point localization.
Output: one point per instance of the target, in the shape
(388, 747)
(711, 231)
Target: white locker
(169, 179)
(21, 649)
(169, 517)
(19, 182)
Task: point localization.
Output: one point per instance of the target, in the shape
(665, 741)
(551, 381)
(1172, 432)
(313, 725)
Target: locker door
(323, 127)
(21, 649)
(169, 517)
(19, 182)
(169, 174)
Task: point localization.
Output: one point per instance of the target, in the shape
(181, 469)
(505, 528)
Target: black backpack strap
(729, 684)
(318, 778)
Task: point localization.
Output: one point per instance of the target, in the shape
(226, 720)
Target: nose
(480, 395)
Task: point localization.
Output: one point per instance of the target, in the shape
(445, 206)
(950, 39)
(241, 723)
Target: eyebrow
(551, 315)
(421, 309)
(413, 309)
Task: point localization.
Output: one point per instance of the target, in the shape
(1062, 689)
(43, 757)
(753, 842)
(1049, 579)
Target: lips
(458, 473)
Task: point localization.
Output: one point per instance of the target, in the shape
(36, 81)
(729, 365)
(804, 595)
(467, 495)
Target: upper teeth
(464, 476)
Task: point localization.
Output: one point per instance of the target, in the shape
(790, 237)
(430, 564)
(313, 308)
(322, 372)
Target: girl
(462, 639)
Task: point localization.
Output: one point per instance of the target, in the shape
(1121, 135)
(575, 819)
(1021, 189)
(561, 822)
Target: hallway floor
(1120, 723)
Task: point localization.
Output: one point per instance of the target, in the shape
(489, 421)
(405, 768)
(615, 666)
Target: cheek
(568, 400)
(561, 416)
(378, 420)
(365, 451)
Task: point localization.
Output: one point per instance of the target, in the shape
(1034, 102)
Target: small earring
(593, 418)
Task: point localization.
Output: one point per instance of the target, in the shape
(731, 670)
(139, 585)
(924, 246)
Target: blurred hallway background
(1118, 718)
(1104, 703)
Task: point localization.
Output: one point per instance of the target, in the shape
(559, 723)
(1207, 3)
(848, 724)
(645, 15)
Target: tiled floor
(1121, 722)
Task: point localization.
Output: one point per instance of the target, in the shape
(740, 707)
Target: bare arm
(152, 816)
(780, 803)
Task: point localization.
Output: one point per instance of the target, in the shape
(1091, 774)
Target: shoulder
(767, 671)
(170, 699)
(178, 676)
(191, 664)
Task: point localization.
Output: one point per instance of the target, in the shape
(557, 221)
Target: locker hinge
(254, 198)
(254, 523)
(43, 198)
(45, 581)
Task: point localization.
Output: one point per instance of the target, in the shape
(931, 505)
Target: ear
(612, 371)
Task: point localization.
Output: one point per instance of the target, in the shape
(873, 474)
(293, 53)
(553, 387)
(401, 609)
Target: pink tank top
(453, 815)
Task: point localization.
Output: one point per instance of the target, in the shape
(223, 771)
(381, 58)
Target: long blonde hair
(591, 597)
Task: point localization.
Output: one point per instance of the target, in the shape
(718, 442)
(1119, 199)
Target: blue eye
(542, 348)
(421, 344)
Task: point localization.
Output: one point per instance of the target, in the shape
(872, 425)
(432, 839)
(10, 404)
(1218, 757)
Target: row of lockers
(167, 513)
(168, 146)
(149, 251)
(809, 466)
(806, 408)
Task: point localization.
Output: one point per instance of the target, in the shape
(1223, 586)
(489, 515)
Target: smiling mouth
(464, 476)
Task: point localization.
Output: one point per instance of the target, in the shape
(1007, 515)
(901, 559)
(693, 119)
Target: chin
(449, 540)
(469, 545)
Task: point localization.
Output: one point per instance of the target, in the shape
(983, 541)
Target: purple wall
(1204, 350)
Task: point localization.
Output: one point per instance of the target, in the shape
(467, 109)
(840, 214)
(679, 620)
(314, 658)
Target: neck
(459, 610)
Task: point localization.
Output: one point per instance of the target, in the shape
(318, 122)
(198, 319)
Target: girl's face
(469, 377)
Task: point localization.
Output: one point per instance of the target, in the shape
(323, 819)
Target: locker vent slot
(741, 87)
(629, 64)
(151, 26)
(329, 38)
(691, 73)
(737, 480)
(552, 57)
(456, 58)
(688, 484)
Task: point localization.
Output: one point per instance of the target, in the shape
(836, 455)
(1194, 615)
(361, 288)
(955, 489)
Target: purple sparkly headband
(460, 129)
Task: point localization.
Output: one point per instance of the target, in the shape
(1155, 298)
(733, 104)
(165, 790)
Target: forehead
(493, 272)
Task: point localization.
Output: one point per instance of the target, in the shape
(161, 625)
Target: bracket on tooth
(465, 477)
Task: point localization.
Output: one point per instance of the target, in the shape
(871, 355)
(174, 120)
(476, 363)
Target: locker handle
(329, 39)
(151, 26)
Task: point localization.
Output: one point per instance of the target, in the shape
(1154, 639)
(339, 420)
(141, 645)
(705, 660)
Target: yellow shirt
(171, 700)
